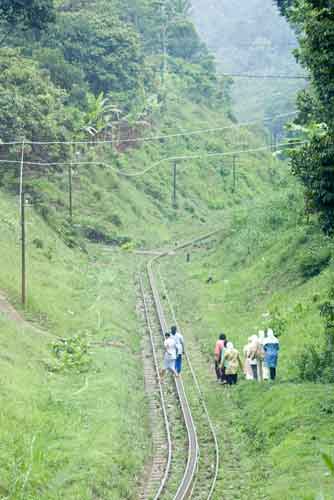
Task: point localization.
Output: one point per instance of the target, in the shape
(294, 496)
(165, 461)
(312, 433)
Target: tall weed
(317, 364)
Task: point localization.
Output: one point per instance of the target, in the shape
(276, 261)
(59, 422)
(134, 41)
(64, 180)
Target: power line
(266, 44)
(162, 160)
(148, 139)
(269, 77)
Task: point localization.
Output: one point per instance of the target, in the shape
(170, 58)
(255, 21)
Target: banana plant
(182, 7)
(101, 115)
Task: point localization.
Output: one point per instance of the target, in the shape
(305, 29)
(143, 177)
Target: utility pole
(70, 191)
(23, 251)
(275, 140)
(174, 185)
(164, 51)
(21, 173)
(234, 173)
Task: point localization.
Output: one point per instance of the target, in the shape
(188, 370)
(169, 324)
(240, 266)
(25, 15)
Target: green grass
(60, 433)
(70, 435)
(280, 430)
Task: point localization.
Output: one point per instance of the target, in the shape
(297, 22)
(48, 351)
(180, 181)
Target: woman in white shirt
(169, 356)
(179, 341)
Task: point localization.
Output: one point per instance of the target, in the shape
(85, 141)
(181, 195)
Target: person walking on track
(247, 366)
(219, 350)
(271, 348)
(262, 368)
(169, 356)
(232, 363)
(179, 342)
(252, 355)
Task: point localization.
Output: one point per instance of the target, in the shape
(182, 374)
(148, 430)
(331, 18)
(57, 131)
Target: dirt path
(7, 310)
(10, 313)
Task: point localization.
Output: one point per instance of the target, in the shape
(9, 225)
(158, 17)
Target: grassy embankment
(262, 264)
(67, 434)
(112, 204)
(77, 435)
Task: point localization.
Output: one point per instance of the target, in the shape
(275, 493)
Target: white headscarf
(229, 346)
(271, 339)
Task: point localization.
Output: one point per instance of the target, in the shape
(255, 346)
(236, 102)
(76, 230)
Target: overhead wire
(162, 160)
(264, 77)
(152, 138)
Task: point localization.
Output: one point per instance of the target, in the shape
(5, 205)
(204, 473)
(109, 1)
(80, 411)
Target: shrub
(97, 195)
(71, 354)
(318, 365)
(277, 322)
(314, 261)
(96, 234)
(116, 220)
(275, 219)
(309, 364)
(70, 235)
(38, 243)
(101, 235)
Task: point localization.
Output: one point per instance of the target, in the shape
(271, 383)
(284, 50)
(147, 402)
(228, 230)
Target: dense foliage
(105, 50)
(317, 364)
(283, 5)
(33, 14)
(313, 163)
(32, 108)
(96, 63)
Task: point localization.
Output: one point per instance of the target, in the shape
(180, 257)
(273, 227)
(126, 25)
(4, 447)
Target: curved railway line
(190, 484)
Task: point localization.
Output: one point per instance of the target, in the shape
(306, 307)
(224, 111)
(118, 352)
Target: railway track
(165, 451)
(209, 461)
(161, 434)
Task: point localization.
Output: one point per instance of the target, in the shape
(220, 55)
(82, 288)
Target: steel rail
(186, 484)
(162, 398)
(192, 459)
(200, 393)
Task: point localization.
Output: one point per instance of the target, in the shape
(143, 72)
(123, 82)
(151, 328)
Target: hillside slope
(280, 430)
(251, 38)
(111, 102)
(69, 400)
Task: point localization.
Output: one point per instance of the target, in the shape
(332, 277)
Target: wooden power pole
(174, 186)
(70, 192)
(234, 173)
(23, 251)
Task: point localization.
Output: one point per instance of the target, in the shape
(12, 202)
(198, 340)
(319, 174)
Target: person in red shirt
(220, 345)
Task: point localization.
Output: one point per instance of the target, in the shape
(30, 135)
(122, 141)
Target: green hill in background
(112, 95)
(251, 38)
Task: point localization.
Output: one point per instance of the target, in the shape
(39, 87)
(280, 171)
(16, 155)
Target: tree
(314, 163)
(183, 41)
(34, 14)
(105, 49)
(63, 74)
(284, 5)
(32, 107)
